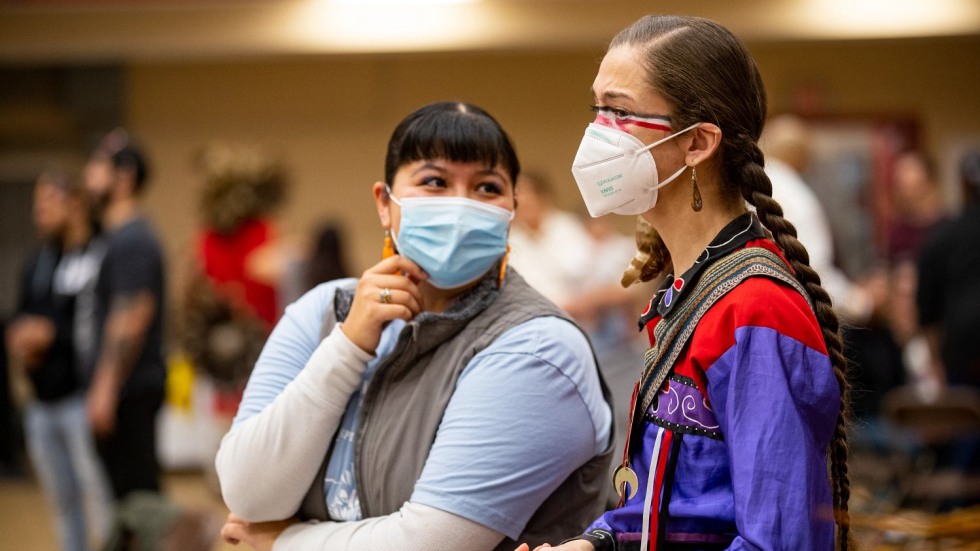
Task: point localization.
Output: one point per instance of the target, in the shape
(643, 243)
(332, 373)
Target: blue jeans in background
(62, 451)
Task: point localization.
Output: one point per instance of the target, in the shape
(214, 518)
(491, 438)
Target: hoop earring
(388, 249)
(696, 203)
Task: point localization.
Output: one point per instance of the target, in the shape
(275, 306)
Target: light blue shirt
(527, 412)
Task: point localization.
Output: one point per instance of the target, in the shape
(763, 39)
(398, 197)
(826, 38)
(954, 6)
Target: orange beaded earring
(388, 250)
(503, 267)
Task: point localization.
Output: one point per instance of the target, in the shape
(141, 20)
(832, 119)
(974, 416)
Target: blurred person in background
(307, 261)
(918, 206)
(327, 261)
(582, 278)
(948, 293)
(948, 301)
(128, 382)
(540, 239)
(420, 406)
(875, 357)
(602, 305)
(50, 337)
(918, 210)
(786, 143)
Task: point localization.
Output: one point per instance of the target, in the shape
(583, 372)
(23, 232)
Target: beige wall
(330, 118)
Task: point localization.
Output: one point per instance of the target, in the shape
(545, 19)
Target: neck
(687, 233)
(77, 235)
(929, 210)
(119, 212)
(437, 300)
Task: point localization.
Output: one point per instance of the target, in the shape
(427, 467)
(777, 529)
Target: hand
(396, 278)
(29, 339)
(260, 535)
(101, 403)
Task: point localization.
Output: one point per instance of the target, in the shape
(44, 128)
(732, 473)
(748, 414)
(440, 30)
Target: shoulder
(757, 302)
(136, 236)
(551, 339)
(539, 350)
(550, 357)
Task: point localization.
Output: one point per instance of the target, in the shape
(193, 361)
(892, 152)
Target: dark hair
(130, 158)
(58, 178)
(124, 154)
(328, 261)
(706, 75)
(454, 131)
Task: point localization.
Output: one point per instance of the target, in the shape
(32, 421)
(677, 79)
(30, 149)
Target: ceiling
(34, 31)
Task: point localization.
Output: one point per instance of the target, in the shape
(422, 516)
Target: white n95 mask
(616, 174)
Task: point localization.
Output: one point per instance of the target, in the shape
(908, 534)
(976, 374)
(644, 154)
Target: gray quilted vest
(419, 376)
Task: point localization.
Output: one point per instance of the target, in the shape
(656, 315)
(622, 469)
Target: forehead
(622, 82)
(465, 168)
(50, 197)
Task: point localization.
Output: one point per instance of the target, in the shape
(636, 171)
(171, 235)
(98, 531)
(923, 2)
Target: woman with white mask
(739, 409)
(417, 407)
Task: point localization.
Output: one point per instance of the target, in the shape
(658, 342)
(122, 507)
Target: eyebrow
(491, 171)
(428, 166)
(608, 95)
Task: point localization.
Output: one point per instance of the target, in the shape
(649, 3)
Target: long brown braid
(706, 75)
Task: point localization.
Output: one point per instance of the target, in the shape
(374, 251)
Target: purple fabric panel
(777, 402)
(701, 500)
(681, 404)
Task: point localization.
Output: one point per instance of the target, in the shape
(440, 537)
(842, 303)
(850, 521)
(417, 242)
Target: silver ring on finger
(386, 295)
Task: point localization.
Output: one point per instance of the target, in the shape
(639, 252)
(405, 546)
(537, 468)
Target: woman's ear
(382, 202)
(706, 139)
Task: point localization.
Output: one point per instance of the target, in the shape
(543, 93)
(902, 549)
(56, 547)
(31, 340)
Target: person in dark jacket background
(48, 338)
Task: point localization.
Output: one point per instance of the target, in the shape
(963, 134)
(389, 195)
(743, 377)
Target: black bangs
(456, 132)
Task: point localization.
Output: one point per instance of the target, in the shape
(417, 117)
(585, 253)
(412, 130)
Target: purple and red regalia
(732, 451)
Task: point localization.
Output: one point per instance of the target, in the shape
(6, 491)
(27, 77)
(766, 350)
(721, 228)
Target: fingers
(386, 291)
(401, 290)
(398, 265)
(526, 547)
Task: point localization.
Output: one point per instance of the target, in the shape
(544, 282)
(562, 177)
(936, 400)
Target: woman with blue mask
(736, 437)
(417, 406)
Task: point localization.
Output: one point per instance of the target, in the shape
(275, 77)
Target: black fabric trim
(675, 447)
(684, 429)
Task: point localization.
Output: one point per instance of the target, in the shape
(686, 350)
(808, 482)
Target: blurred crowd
(88, 366)
(88, 332)
(909, 322)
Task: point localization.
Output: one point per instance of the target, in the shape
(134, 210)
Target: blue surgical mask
(454, 239)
